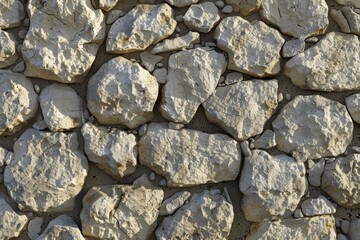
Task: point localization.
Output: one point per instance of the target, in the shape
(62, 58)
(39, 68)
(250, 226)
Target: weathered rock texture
(8, 44)
(353, 106)
(354, 3)
(202, 17)
(181, 3)
(317, 206)
(177, 43)
(347, 19)
(245, 7)
(11, 13)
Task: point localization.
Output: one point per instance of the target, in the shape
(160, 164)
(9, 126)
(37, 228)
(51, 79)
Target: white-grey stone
(345, 226)
(354, 229)
(181, 3)
(3, 153)
(34, 228)
(298, 213)
(113, 16)
(353, 106)
(163, 182)
(173, 44)
(293, 47)
(354, 3)
(8, 44)
(341, 20)
(202, 17)
(107, 5)
(266, 140)
(232, 78)
(175, 201)
(11, 13)
(315, 173)
(149, 60)
(317, 207)
(152, 176)
(19, 67)
(220, 4)
(245, 148)
(227, 9)
(161, 75)
(340, 236)
(245, 7)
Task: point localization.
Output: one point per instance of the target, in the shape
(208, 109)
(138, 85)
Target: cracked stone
(8, 43)
(317, 206)
(178, 43)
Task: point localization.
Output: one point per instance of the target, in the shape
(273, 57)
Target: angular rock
(207, 216)
(113, 16)
(353, 106)
(301, 19)
(341, 20)
(354, 229)
(170, 205)
(315, 173)
(188, 157)
(202, 17)
(11, 13)
(341, 180)
(245, 7)
(107, 5)
(62, 227)
(34, 228)
(161, 75)
(272, 186)
(258, 57)
(354, 3)
(181, 3)
(333, 64)
(192, 77)
(243, 108)
(18, 102)
(113, 151)
(120, 211)
(63, 39)
(317, 206)
(47, 172)
(173, 44)
(314, 127)
(149, 60)
(142, 26)
(122, 92)
(266, 140)
(293, 47)
(321, 227)
(8, 44)
(61, 107)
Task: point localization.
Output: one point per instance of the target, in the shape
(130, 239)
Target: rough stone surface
(321, 227)
(170, 205)
(293, 47)
(341, 180)
(107, 5)
(354, 229)
(266, 140)
(314, 127)
(242, 109)
(113, 16)
(181, 3)
(34, 228)
(300, 19)
(11, 13)
(3, 153)
(122, 92)
(353, 106)
(18, 102)
(192, 77)
(113, 151)
(63, 39)
(142, 26)
(189, 157)
(315, 173)
(333, 64)
(62, 228)
(272, 186)
(207, 216)
(354, 3)
(173, 44)
(8, 44)
(245, 7)
(47, 171)
(202, 17)
(149, 60)
(317, 206)
(161, 75)
(258, 57)
(61, 107)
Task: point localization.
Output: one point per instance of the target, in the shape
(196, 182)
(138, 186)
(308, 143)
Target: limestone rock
(192, 77)
(47, 171)
(18, 102)
(242, 109)
(245, 7)
(202, 17)
(61, 107)
(114, 151)
(8, 44)
(333, 64)
(353, 105)
(188, 157)
(34, 228)
(11, 222)
(321, 227)
(317, 206)
(161, 75)
(354, 229)
(315, 173)
(63, 39)
(142, 26)
(122, 92)
(266, 140)
(314, 127)
(113, 16)
(258, 57)
(11, 13)
(207, 216)
(341, 180)
(272, 186)
(170, 205)
(3, 153)
(149, 60)
(293, 47)
(107, 5)
(181, 3)
(354, 3)
(173, 44)
(298, 19)
(341, 20)
(120, 212)
(62, 227)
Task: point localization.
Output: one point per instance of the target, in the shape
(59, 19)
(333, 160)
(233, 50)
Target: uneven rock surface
(317, 206)
(353, 106)
(11, 13)
(293, 47)
(245, 7)
(266, 140)
(202, 17)
(177, 43)
(181, 3)
(107, 5)
(347, 19)
(354, 3)
(188, 157)
(8, 44)
(170, 205)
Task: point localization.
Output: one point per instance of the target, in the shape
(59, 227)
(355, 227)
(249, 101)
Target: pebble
(227, 9)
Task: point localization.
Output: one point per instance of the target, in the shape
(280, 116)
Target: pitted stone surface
(8, 45)
(202, 17)
(11, 13)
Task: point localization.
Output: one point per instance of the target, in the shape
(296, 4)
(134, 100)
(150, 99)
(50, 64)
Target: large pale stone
(142, 26)
(245, 7)
(47, 171)
(18, 102)
(355, 3)
(181, 3)
(272, 186)
(113, 151)
(122, 92)
(202, 17)
(313, 127)
(353, 106)
(243, 108)
(333, 64)
(173, 44)
(189, 157)
(317, 206)
(208, 215)
(258, 57)
(192, 77)
(8, 44)
(11, 13)
(63, 39)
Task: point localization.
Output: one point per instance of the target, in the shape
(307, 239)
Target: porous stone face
(298, 19)
(63, 39)
(113, 151)
(189, 157)
(18, 102)
(202, 17)
(321, 227)
(354, 3)
(258, 57)
(47, 171)
(243, 108)
(122, 92)
(174, 202)
(353, 106)
(245, 7)
(62, 227)
(11, 13)
(341, 180)
(11, 222)
(313, 127)
(317, 206)
(181, 3)
(192, 77)
(8, 44)
(333, 64)
(120, 212)
(173, 44)
(207, 216)
(142, 26)
(272, 186)
(61, 107)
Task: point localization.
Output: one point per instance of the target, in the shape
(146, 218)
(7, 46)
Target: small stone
(19, 68)
(298, 213)
(353, 105)
(345, 226)
(341, 20)
(107, 5)
(26, 22)
(315, 173)
(162, 182)
(34, 228)
(113, 16)
(245, 7)
(354, 229)
(8, 43)
(202, 17)
(173, 44)
(181, 3)
(11, 14)
(179, 18)
(177, 29)
(280, 97)
(317, 206)
(227, 9)
(152, 176)
(159, 65)
(147, 1)
(37, 88)
(232, 78)
(161, 75)
(293, 47)
(312, 40)
(149, 60)
(288, 96)
(18, 48)
(340, 236)
(170, 205)
(266, 140)
(22, 34)
(245, 148)
(62, 227)
(176, 126)
(40, 125)
(220, 4)
(355, 149)
(352, 18)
